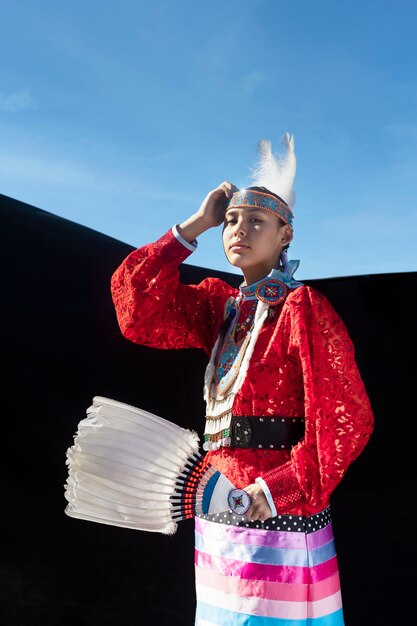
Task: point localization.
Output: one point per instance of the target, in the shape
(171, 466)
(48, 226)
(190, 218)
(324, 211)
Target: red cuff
(284, 487)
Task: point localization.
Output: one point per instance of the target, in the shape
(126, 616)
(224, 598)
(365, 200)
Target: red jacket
(303, 365)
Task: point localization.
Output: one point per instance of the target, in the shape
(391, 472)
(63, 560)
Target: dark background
(61, 346)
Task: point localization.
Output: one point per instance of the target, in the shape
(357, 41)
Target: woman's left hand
(259, 510)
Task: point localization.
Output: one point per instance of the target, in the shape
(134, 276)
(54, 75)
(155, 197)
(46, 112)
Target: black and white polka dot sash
(289, 523)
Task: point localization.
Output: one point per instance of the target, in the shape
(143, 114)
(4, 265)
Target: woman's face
(253, 240)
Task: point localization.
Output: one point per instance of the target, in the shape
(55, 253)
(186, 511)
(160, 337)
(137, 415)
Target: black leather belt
(270, 433)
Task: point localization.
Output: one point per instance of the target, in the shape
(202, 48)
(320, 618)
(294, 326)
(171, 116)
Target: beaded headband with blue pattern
(249, 198)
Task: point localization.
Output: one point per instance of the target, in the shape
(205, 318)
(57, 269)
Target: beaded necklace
(243, 325)
(230, 358)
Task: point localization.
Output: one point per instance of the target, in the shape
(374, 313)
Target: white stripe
(319, 608)
(268, 608)
(252, 605)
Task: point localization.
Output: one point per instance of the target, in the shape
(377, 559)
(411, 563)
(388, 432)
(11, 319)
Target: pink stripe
(273, 573)
(323, 570)
(324, 588)
(259, 537)
(251, 588)
(295, 592)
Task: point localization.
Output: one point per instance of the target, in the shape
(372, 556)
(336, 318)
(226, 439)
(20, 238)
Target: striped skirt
(283, 572)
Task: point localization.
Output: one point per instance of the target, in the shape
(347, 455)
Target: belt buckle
(241, 431)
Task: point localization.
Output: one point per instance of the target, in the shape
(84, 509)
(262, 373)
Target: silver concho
(239, 501)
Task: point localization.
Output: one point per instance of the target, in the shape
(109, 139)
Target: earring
(284, 260)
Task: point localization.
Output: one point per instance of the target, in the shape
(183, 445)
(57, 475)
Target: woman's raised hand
(210, 213)
(214, 205)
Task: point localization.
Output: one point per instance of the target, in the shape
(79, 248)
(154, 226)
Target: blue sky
(122, 116)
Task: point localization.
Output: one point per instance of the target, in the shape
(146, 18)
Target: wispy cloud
(62, 172)
(14, 101)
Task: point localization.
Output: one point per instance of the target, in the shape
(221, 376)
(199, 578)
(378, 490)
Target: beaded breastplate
(243, 320)
(229, 357)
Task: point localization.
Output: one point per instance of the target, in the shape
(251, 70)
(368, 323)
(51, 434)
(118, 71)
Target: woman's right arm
(153, 308)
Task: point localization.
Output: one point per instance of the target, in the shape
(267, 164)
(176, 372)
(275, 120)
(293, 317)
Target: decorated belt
(281, 523)
(269, 433)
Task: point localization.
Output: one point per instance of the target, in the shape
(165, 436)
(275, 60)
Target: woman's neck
(253, 275)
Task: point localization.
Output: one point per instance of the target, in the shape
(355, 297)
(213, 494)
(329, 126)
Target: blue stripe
(266, 554)
(223, 617)
(322, 554)
(252, 554)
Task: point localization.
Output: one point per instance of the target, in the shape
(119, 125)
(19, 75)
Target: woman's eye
(256, 219)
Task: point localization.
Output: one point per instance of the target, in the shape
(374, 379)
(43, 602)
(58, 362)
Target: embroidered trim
(229, 362)
(249, 291)
(260, 316)
(260, 200)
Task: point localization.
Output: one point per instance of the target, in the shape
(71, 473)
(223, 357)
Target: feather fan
(128, 467)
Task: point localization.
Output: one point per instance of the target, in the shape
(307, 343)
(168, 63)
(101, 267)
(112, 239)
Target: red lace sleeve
(338, 416)
(154, 309)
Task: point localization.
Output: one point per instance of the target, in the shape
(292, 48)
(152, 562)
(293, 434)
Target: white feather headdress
(276, 172)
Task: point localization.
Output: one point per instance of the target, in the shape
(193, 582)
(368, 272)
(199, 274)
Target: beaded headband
(247, 198)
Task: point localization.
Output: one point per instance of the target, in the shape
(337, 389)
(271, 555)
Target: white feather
(276, 172)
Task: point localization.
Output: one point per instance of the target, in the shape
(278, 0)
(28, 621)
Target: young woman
(287, 411)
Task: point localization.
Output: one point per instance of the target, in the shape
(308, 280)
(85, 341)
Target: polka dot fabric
(289, 523)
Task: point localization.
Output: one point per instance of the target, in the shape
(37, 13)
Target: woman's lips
(238, 246)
